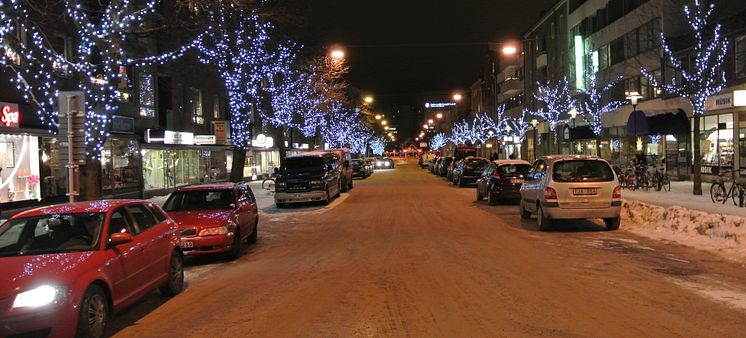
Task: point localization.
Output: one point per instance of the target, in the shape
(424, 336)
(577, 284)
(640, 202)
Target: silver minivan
(571, 187)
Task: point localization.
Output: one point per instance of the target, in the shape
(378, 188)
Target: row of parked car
(67, 268)
(552, 188)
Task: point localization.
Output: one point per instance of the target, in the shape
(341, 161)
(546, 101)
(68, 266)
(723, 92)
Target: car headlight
(388, 164)
(378, 164)
(280, 184)
(317, 182)
(43, 295)
(213, 231)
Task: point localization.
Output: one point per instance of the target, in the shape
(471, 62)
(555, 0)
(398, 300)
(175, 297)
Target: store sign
(739, 98)
(220, 130)
(122, 124)
(719, 102)
(205, 139)
(263, 141)
(439, 104)
(178, 137)
(10, 116)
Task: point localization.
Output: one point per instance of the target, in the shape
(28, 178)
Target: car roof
(509, 162)
(210, 186)
(98, 206)
(310, 154)
(555, 158)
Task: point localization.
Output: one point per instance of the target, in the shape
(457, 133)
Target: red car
(214, 218)
(66, 268)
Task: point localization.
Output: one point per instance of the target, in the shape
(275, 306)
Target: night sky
(397, 49)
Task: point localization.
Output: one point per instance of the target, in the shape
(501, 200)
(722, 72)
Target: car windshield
(514, 169)
(304, 163)
(477, 162)
(48, 234)
(582, 171)
(200, 200)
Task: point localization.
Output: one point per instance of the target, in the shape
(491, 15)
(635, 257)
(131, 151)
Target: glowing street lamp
(384, 122)
(430, 121)
(439, 116)
(457, 97)
(378, 117)
(337, 54)
(510, 50)
(368, 99)
(424, 126)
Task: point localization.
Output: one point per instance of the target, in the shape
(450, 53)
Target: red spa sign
(9, 115)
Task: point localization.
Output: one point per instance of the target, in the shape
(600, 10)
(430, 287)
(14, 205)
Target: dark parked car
(502, 180)
(308, 177)
(360, 168)
(436, 165)
(449, 170)
(431, 164)
(468, 170)
(443, 167)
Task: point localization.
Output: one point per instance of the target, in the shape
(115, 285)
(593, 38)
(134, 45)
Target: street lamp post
(535, 123)
(573, 115)
(634, 98)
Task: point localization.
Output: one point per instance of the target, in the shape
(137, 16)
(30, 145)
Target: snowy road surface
(408, 255)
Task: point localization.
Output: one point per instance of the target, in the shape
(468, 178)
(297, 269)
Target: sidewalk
(681, 196)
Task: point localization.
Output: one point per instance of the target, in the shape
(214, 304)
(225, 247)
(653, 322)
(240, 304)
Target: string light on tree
(556, 99)
(438, 141)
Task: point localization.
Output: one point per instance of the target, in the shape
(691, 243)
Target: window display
(53, 171)
(169, 169)
(121, 164)
(717, 148)
(19, 168)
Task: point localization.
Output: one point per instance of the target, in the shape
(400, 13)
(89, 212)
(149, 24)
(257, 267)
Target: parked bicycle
(719, 193)
(268, 184)
(660, 180)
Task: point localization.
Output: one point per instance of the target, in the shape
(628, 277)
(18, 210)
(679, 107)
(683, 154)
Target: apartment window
(216, 107)
(195, 105)
(603, 57)
(740, 57)
(616, 51)
(14, 45)
(146, 90)
(61, 45)
(124, 86)
(630, 43)
(633, 85)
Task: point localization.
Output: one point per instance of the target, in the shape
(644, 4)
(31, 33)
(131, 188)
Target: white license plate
(585, 191)
(187, 244)
(517, 181)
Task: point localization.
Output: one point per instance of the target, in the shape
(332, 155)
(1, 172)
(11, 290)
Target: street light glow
(430, 121)
(439, 115)
(338, 54)
(378, 117)
(510, 50)
(384, 122)
(368, 99)
(457, 97)
(424, 126)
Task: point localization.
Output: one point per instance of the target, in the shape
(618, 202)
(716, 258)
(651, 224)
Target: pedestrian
(512, 156)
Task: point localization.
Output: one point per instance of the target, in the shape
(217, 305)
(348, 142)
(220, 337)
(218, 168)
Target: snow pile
(714, 232)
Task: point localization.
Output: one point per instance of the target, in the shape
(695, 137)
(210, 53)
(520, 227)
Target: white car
(571, 187)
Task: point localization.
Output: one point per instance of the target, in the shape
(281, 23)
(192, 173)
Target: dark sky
(374, 32)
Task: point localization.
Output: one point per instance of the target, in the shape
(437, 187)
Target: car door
(529, 191)
(484, 181)
(155, 241)
(128, 262)
(247, 210)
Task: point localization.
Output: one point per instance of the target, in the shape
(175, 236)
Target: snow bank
(723, 234)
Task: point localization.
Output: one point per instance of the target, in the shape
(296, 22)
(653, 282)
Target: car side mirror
(120, 238)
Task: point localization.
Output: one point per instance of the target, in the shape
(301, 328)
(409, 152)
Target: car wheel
(479, 195)
(492, 199)
(544, 222)
(235, 251)
(525, 214)
(612, 223)
(328, 197)
(93, 314)
(175, 282)
(345, 186)
(254, 235)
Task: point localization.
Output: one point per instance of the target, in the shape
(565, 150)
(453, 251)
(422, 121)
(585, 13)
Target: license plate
(187, 244)
(517, 181)
(585, 191)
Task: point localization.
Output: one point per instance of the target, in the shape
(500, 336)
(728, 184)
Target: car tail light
(496, 175)
(617, 193)
(550, 193)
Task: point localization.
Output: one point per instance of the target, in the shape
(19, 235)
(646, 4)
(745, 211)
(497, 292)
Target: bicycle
(268, 184)
(719, 193)
(660, 180)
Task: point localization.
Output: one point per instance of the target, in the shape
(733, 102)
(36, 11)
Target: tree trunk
(92, 181)
(697, 159)
(279, 135)
(239, 158)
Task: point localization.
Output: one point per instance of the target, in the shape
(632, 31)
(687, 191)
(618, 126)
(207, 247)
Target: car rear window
(513, 169)
(477, 162)
(200, 200)
(582, 171)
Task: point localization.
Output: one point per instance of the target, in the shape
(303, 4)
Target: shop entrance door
(677, 157)
(170, 160)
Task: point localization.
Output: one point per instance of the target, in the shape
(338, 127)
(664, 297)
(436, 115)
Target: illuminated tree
(461, 132)
(516, 126)
(556, 100)
(705, 78)
(438, 141)
(484, 128)
(378, 146)
(592, 105)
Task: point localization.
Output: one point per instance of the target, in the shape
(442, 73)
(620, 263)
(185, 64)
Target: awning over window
(641, 123)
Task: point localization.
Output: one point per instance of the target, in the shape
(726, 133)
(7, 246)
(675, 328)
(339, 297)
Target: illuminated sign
(263, 141)
(10, 115)
(579, 63)
(440, 104)
(205, 139)
(169, 137)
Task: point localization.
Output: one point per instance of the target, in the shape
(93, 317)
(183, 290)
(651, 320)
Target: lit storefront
(262, 158)
(173, 159)
(664, 136)
(722, 131)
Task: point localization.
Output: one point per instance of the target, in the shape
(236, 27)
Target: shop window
(742, 139)
(121, 165)
(19, 168)
(146, 91)
(216, 107)
(195, 106)
(124, 86)
(53, 174)
(717, 149)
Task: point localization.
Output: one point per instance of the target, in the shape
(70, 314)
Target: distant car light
(388, 164)
(379, 163)
(43, 295)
